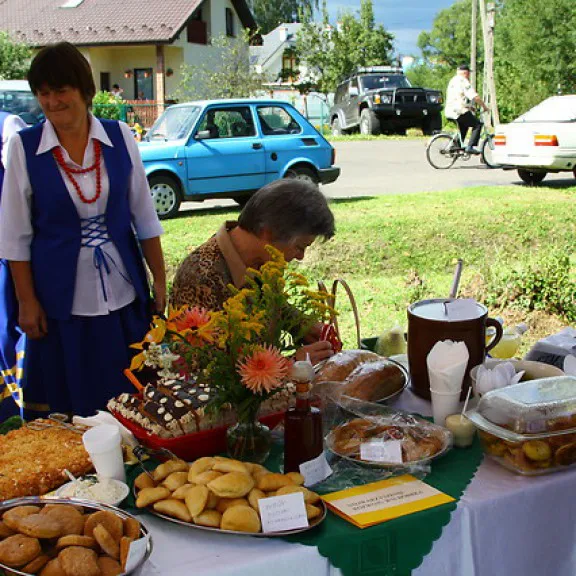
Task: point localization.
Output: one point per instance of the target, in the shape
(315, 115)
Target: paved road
(371, 168)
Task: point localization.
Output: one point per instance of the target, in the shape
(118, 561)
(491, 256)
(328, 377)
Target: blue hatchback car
(229, 149)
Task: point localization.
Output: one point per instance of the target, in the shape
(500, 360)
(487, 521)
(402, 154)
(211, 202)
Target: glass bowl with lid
(530, 427)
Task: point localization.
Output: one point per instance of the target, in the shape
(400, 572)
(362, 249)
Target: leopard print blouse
(202, 278)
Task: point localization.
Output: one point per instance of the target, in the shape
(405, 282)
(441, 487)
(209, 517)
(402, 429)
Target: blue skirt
(78, 366)
(12, 343)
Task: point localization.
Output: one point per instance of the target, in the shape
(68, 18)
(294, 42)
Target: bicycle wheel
(488, 151)
(441, 151)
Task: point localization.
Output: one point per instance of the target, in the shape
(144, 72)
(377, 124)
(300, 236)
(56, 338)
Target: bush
(106, 105)
(543, 284)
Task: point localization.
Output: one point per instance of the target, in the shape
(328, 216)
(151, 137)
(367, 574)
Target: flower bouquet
(241, 352)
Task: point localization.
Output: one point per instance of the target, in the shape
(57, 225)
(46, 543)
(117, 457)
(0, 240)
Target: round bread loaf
(374, 381)
(339, 366)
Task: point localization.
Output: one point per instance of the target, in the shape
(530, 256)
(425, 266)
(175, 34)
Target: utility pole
(474, 43)
(489, 86)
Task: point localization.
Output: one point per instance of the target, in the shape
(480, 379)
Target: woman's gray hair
(288, 208)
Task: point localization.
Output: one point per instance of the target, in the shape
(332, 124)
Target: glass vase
(248, 439)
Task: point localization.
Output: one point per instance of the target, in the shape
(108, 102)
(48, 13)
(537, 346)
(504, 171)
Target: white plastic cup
(103, 444)
(444, 404)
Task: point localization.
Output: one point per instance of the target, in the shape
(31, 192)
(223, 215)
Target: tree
(228, 76)
(535, 47)
(14, 58)
(333, 53)
(271, 13)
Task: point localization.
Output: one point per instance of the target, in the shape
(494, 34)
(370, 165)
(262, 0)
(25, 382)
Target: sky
(404, 18)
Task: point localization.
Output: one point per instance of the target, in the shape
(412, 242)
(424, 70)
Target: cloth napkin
(447, 365)
(501, 375)
(107, 418)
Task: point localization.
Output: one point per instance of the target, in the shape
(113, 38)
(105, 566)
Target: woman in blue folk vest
(12, 340)
(75, 219)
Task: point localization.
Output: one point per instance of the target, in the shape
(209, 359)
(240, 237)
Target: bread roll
(374, 381)
(232, 485)
(339, 366)
(241, 519)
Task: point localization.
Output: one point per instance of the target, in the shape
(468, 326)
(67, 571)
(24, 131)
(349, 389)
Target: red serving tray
(191, 446)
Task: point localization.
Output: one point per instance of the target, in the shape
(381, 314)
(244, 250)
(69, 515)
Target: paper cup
(444, 404)
(103, 444)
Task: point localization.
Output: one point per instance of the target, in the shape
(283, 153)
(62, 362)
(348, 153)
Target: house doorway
(143, 84)
(105, 81)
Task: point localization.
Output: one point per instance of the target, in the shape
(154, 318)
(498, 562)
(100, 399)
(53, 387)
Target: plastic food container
(530, 427)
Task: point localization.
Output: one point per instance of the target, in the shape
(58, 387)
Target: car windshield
(555, 109)
(24, 104)
(174, 124)
(379, 81)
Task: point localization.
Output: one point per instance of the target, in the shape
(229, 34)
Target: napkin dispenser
(459, 320)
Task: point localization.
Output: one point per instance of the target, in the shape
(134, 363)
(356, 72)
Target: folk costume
(12, 340)
(78, 227)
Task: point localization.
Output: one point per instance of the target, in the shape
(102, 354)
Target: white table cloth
(504, 525)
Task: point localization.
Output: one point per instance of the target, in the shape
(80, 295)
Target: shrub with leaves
(106, 105)
(544, 284)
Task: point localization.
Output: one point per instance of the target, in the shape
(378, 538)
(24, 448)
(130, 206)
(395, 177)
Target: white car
(540, 141)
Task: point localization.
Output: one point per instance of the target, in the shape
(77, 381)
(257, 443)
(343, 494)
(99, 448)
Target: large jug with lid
(430, 321)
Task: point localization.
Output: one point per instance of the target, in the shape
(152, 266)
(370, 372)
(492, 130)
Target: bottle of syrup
(303, 423)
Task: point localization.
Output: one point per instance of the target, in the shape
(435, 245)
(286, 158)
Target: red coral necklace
(58, 156)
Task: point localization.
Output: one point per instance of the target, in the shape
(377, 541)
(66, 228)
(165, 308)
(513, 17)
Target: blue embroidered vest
(57, 229)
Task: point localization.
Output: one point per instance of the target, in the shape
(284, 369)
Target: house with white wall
(137, 44)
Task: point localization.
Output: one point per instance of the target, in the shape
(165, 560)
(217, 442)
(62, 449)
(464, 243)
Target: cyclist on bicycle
(461, 100)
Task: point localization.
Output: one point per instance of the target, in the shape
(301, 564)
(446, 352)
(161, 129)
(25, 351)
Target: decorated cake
(174, 407)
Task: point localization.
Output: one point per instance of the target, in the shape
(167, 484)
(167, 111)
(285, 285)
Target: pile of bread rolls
(364, 375)
(218, 492)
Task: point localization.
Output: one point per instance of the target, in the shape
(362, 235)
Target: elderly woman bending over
(287, 214)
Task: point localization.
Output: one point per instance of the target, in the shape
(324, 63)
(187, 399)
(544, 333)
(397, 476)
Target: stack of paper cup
(103, 444)
(446, 367)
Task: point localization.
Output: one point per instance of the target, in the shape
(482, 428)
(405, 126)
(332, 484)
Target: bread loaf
(339, 366)
(374, 381)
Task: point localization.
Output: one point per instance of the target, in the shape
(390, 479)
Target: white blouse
(16, 233)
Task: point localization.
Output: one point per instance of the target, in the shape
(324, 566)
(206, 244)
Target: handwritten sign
(281, 513)
(380, 450)
(315, 470)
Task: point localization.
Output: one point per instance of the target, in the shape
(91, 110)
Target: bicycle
(445, 148)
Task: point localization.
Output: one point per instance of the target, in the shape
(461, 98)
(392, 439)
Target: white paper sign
(380, 450)
(280, 513)
(462, 309)
(136, 552)
(315, 470)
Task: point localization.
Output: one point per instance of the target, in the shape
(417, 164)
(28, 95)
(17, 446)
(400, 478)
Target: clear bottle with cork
(303, 423)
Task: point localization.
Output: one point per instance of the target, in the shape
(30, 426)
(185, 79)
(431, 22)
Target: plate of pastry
(220, 494)
(410, 441)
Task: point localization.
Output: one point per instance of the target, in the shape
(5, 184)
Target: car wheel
(336, 128)
(531, 177)
(166, 196)
(241, 200)
(432, 124)
(369, 123)
(302, 173)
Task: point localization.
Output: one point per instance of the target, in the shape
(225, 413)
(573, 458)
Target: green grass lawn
(395, 250)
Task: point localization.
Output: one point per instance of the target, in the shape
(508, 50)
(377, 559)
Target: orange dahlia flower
(263, 370)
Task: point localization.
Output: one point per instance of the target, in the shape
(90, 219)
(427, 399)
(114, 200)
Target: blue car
(230, 149)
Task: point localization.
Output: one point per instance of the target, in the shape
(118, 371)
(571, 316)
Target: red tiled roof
(96, 22)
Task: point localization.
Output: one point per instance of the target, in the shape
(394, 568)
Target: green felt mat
(396, 547)
(393, 548)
